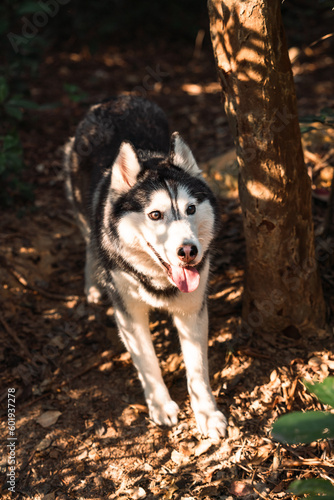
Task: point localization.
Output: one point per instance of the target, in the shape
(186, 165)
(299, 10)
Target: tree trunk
(282, 285)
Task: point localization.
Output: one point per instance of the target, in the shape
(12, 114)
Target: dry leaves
(48, 418)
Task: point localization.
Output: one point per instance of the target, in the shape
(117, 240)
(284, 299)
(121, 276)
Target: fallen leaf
(233, 432)
(80, 468)
(48, 418)
(203, 447)
(49, 496)
(315, 363)
(44, 444)
(54, 454)
(140, 408)
(173, 362)
(241, 489)
(169, 494)
(187, 449)
(178, 458)
(57, 342)
(136, 493)
(82, 455)
(105, 367)
(262, 454)
(208, 491)
(93, 455)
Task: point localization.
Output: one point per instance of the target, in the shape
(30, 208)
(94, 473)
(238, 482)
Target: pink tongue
(185, 278)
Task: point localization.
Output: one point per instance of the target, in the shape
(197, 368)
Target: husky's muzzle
(186, 278)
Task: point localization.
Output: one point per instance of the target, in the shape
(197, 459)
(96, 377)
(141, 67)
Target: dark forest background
(30, 30)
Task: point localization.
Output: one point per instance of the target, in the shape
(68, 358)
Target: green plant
(74, 92)
(326, 117)
(12, 106)
(305, 427)
(21, 52)
(11, 165)
(16, 70)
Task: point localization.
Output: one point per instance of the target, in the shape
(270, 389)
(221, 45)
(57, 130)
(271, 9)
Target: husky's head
(164, 211)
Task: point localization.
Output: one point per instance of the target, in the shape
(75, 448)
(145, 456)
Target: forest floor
(82, 426)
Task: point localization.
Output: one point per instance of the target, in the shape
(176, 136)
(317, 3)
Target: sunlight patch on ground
(196, 89)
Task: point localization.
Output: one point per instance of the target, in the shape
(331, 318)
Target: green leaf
(22, 103)
(326, 116)
(50, 105)
(323, 390)
(2, 163)
(10, 142)
(312, 486)
(328, 112)
(14, 112)
(77, 98)
(4, 90)
(4, 26)
(28, 7)
(71, 88)
(306, 128)
(74, 92)
(310, 118)
(299, 427)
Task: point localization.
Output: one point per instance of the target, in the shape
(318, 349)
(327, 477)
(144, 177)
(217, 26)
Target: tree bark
(282, 284)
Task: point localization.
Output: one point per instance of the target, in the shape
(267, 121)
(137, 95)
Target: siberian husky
(148, 219)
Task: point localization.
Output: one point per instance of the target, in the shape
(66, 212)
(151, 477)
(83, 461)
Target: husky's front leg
(193, 333)
(133, 325)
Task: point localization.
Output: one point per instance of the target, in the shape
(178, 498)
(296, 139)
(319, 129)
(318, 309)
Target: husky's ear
(125, 169)
(181, 155)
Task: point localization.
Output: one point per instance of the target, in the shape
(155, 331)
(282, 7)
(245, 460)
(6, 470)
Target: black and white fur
(149, 220)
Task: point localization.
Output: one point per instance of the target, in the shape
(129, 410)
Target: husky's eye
(155, 215)
(191, 210)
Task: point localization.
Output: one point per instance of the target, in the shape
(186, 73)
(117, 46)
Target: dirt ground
(82, 427)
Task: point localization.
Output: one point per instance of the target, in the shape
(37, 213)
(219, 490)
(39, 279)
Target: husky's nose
(187, 253)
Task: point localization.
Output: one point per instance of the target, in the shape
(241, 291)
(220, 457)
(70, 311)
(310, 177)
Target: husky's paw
(212, 425)
(164, 413)
(93, 295)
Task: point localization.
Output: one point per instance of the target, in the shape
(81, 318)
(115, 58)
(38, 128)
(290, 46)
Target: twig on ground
(34, 288)
(24, 349)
